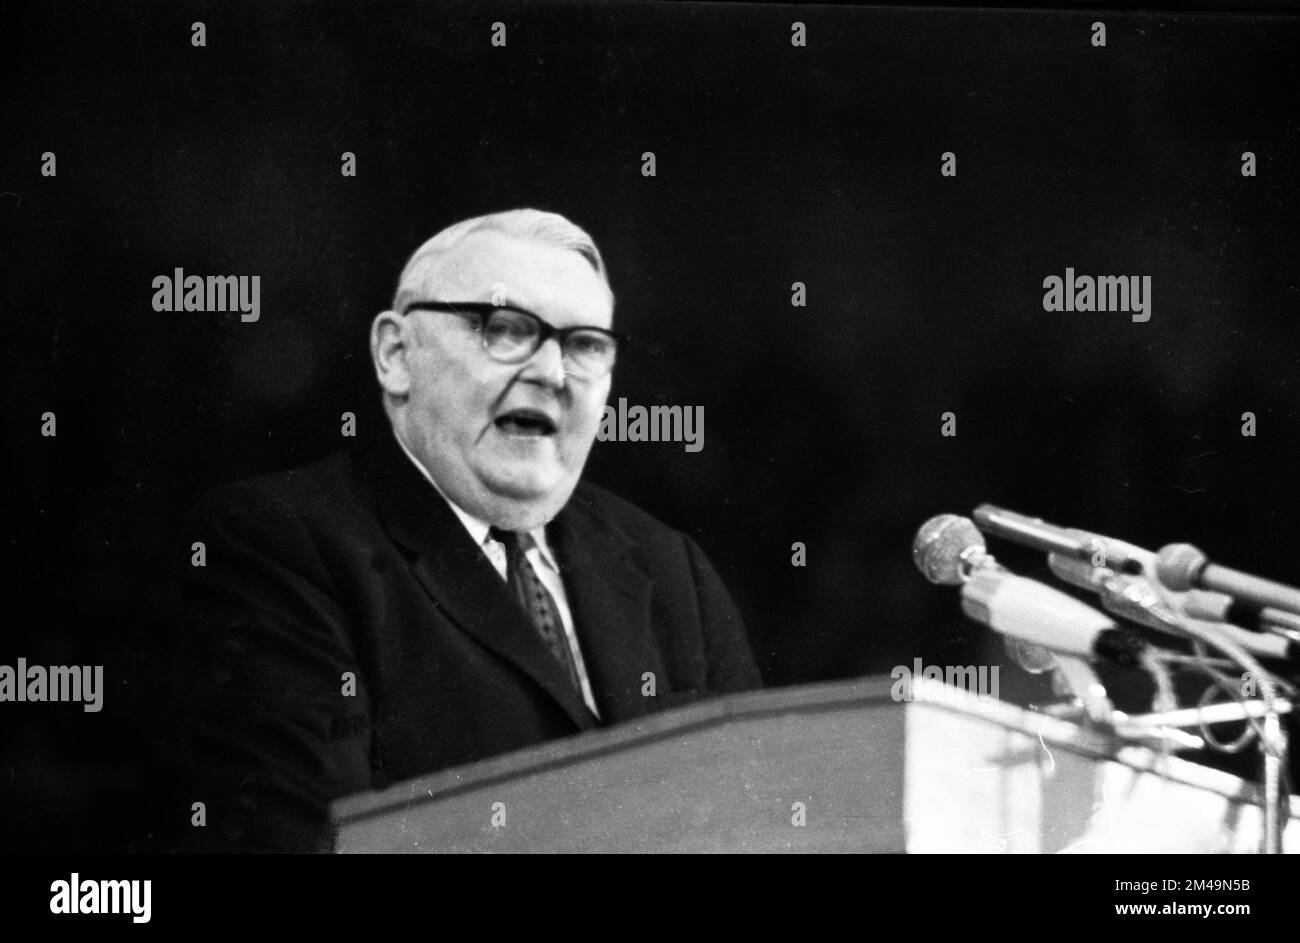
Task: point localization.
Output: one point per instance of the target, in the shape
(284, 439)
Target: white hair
(551, 229)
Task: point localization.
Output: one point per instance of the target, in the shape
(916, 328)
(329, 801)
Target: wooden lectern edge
(830, 695)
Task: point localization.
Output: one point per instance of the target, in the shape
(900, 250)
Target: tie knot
(511, 538)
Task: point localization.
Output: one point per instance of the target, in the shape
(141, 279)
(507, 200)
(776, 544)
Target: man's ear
(390, 345)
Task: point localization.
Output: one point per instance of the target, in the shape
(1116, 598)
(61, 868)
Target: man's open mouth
(525, 422)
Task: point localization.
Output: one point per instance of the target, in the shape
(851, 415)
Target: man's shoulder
(637, 524)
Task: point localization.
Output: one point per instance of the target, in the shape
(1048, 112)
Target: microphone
(1182, 567)
(1136, 599)
(949, 550)
(1124, 595)
(1220, 607)
(1039, 535)
(1033, 611)
(1130, 596)
(1121, 573)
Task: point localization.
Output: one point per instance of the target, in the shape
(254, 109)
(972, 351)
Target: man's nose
(546, 365)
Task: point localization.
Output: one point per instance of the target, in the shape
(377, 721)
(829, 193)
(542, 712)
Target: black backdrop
(775, 164)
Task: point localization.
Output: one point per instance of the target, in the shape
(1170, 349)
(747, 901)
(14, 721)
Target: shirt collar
(477, 528)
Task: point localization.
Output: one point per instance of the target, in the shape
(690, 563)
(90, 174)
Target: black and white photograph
(650, 427)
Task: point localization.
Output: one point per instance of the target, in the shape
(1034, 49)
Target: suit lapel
(458, 577)
(609, 597)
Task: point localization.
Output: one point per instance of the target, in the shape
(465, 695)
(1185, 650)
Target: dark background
(775, 164)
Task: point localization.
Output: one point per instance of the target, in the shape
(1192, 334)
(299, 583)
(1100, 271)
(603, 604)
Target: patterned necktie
(537, 602)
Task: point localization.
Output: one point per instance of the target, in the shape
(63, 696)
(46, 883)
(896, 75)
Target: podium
(839, 767)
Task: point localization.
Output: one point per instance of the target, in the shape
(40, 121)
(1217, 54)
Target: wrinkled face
(506, 442)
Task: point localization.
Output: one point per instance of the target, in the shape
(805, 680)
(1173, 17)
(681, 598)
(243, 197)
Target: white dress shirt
(543, 563)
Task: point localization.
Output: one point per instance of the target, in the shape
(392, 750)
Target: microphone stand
(1156, 605)
(1272, 737)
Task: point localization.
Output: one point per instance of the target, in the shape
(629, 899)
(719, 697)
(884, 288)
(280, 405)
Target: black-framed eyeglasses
(512, 335)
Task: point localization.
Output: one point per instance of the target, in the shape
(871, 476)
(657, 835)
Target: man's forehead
(547, 279)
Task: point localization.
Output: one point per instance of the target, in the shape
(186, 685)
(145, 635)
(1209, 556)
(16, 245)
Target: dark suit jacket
(346, 633)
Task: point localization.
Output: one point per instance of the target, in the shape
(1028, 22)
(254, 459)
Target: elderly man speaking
(456, 591)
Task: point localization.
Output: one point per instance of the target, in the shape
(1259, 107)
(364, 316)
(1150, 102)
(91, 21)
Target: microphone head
(939, 545)
(1178, 566)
